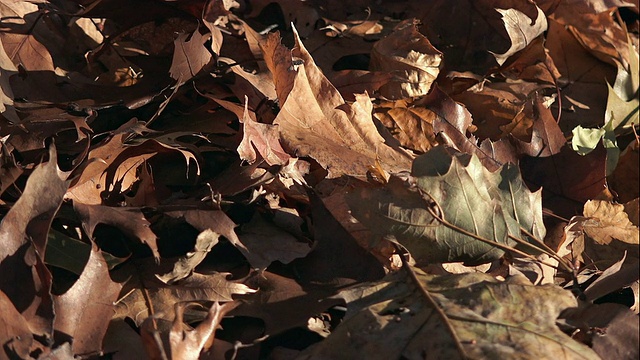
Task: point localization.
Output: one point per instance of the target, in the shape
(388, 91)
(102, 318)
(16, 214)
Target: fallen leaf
(315, 121)
(23, 233)
(612, 329)
(189, 56)
(129, 220)
(83, 312)
(452, 123)
(454, 188)
(264, 139)
(160, 298)
(411, 125)
(185, 266)
(522, 30)
(453, 317)
(327, 266)
(410, 58)
(15, 333)
(187, 344)
(609, 233)
(277, 295)
(267, 243)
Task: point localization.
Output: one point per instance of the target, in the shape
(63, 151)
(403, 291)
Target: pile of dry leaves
(288, 179)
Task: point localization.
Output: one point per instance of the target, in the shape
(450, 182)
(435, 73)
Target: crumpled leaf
(457, 188)
(522, 30)
(184, 267)
(187, 344)
(411, 125)
(609, 233)
(452, 123)
(129, 220)
(263, 138)
(410, 58)
(197, 287)
(480, 318)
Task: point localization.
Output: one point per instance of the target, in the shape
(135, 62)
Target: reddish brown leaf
(585, 179)
(131, 221)
(84, 311)
(452, 122)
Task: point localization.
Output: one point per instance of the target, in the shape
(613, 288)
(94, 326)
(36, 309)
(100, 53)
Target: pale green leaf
(585, 140)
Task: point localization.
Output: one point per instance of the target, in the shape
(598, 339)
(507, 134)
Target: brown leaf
(501, 108)
(264, 139)
(568, 175)
(7, 68)
(277, 296)
(411, 125)
(468, 32)
(187, 344)
(546, 137)
(452, 122)
(522, 30)
(583, 79)
(131, 221)
(314, 120)
(185, 265)
(625, 180)
(84, 311)
(214, 220)
(610, 327)
(267, 243)
(324, 265)
(162, 297)
(23, 234)
(15, 335)
(88, 186)
(21, 42)
(609, 233)
(410, 58)
(189, 56)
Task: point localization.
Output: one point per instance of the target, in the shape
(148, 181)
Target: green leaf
(72, 254)
(66, 252)
(585, 140)
(480, 318)
(455, 186)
